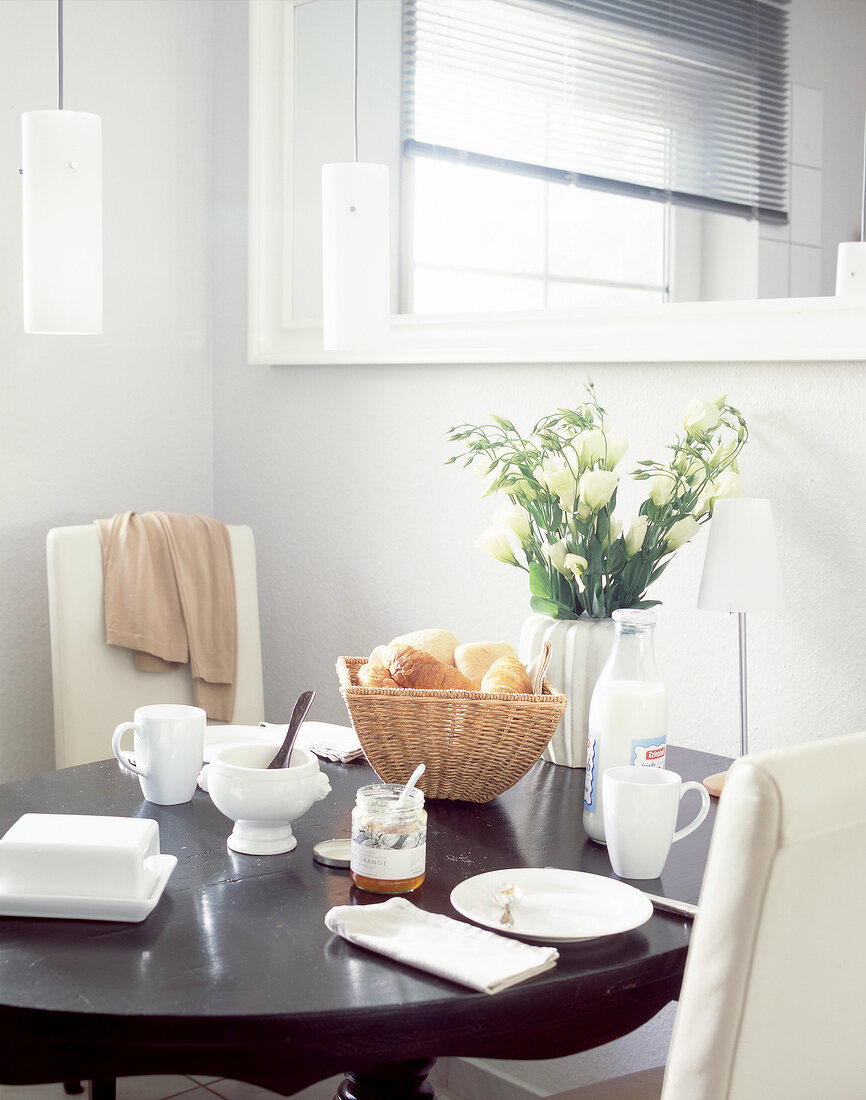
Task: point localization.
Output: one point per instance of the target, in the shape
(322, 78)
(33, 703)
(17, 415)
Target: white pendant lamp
(356, 294)
(851, 257)
(62, 216)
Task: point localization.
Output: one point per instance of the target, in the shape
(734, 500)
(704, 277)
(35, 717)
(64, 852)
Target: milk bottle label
(591, 760)
(646, 752)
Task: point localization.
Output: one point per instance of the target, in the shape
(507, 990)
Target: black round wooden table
(235, 975)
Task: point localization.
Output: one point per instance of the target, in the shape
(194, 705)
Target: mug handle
(702, 812)
(125, 759)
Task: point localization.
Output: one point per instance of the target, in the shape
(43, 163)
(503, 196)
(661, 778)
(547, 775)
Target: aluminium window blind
(684, 101)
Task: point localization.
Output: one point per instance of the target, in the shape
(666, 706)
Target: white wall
(90, 426)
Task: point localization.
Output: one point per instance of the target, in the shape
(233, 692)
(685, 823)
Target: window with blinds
(677, 101)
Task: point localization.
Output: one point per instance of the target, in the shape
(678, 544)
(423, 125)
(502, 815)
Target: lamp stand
(714, 783)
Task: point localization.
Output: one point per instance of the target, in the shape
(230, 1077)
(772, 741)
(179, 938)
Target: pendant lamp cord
(863, 208)
(355, 89)
(59, 55)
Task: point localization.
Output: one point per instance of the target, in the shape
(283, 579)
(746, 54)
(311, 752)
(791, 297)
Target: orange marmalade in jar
(389, 844)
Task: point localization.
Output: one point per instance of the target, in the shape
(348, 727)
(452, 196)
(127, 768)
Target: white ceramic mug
(640, 807)
(167, 753)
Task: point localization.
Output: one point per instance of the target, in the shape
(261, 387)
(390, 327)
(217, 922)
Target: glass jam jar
(389, 845)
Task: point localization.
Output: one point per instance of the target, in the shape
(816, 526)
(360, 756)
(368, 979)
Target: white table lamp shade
(356, 296)
(741, 566)
(62, 220)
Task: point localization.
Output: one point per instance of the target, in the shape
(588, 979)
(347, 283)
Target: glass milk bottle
(627, 712)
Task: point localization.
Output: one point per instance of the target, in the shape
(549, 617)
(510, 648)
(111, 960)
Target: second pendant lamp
(356, 294)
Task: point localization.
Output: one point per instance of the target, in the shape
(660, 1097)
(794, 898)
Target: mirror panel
(285, 264)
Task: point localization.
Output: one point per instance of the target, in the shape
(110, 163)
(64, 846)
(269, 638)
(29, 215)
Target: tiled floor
(161, 1088)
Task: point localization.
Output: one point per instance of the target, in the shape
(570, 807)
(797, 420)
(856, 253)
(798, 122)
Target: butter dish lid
(79, 855)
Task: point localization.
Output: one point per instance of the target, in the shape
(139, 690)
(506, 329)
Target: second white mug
(168, 748)
(640, 807)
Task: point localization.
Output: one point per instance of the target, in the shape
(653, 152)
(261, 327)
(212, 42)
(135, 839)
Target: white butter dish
(80, 856)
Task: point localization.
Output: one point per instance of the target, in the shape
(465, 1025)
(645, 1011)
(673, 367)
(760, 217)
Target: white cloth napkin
(338, 743)
(449, 948)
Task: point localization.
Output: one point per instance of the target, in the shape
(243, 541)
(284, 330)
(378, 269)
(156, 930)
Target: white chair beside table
(772, 999)
(96, 685)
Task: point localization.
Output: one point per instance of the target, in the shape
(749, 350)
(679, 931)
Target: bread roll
(413, 668)
(379, 656)
(371, 676)
(475, 658)
(438, 643)
(507, 674)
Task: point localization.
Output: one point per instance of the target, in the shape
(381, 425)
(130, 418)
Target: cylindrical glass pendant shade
(356, 296)
(62, 192)
(851, 269)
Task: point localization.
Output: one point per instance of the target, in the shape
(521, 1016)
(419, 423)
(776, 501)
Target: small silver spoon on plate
(507, 895)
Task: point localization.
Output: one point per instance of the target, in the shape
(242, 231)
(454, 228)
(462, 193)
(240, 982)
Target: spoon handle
(284, 753)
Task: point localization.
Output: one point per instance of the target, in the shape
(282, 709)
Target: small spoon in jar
(507, 895)
(403, 800)
(284, 753)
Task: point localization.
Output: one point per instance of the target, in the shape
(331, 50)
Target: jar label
(389, 855)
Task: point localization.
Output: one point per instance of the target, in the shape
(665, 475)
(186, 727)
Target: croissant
(370, 676)
(507, 674)
(412, 668)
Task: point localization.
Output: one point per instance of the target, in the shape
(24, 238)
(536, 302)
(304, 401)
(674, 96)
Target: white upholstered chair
(96, 686)
(773, 994)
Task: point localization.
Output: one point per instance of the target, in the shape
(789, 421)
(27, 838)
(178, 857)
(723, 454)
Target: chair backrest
(96, 686)
(772, 999)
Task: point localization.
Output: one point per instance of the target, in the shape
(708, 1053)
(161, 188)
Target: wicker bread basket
(474, 745)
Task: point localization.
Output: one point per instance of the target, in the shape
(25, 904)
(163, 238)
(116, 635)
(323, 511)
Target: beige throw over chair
(772, 1004)
(96, 685)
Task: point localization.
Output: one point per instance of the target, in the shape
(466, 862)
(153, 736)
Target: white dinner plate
(557, 906)
(130, 910)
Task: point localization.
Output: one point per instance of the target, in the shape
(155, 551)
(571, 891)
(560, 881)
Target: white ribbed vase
(579, 649)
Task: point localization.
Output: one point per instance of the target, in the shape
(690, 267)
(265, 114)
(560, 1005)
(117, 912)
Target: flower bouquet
(560, 482)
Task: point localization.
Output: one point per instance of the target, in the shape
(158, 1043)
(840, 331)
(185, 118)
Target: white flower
(555, 554)
(681, 532)
(731, 485)
(494, 541)
(615, 530)
(597, 487)
(516, 519)
(635, 535)
(700, 417)
(617, 445)
(591, 446)
(661, 490)
(559, 478)
(576, 565)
